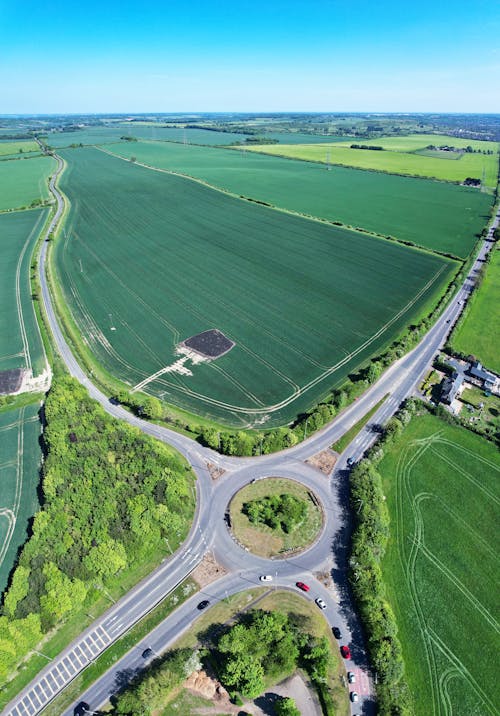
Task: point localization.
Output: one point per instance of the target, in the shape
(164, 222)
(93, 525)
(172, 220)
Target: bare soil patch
(323, 461)
(208, 571)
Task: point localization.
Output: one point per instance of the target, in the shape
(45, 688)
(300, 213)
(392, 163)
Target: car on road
(81, 709)
(321, 604)
(266, 578)
(350, 461)
(203, 605)
(147, 653)
(345, 651)
(354, 697)
(336, 633)
(304, 587)
(351, 677)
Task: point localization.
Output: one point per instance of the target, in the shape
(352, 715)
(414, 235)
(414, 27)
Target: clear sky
(278, 55)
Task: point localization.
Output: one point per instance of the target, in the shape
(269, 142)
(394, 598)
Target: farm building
(486, 378)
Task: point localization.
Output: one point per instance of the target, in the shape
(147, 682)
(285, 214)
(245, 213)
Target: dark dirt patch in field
(10, 380)
(210, 344)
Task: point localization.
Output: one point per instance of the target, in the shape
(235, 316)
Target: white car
(354, 697)
(351, 677)
(321, 604)
(266, 578)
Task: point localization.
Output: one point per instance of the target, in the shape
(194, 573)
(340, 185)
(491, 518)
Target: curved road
(209, 531)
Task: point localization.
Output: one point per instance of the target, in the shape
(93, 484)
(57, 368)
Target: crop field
(443, 493)
(20, 342)
(478, 332)
(436, 215)
(23, 180)
(18, 147)
(400, 157)
(19, 478)
(150, 259)
(104, 135)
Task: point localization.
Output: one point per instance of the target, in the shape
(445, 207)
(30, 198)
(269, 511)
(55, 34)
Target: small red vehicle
(304, 587)
(345, 651)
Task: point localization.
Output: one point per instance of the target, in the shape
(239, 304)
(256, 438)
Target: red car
(304, 587)
(345, 651)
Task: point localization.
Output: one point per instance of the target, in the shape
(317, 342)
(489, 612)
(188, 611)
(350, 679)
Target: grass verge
(349, 436)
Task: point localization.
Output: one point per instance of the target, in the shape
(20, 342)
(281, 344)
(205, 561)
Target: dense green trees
(111, 496)
(283, 512)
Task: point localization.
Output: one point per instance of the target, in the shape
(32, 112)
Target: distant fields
(19, 478)
(479, 331)
(15, 147)
(20, 341)
(400, 157)
(443, 493)
(23, 180)
(432, 214)
(163, 258)
(104, 135)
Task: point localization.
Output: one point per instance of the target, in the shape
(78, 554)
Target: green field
(20, 342)
(104, 135)
(17, 146)
(24, 180)
(478, 332)
(432, 214)
(441, 567)
(150, 259)
(401, 157)
(19, 478)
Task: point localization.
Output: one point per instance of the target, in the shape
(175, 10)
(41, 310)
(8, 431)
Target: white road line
(84, 657)
(70, 667)
(49, 687)
(58, 677)
(92, 646)
(39, 694)
(52, 677)
(77, 657)
(98, 637)
(105, 634)
(31, 702)
(62, 665)
(23, 707)
(117, 626)
(33, 696)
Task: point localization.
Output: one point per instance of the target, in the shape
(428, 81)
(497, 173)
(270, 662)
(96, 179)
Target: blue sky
(367, 55)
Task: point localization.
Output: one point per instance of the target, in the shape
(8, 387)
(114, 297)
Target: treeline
(110, 497)
(369, 543)
(240, 655)
(375, 147)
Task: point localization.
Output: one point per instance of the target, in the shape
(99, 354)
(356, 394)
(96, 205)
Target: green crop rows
(442, 487)
(150, 259)
(114, 133)
(24, 180)
(436, 215)
(401, 157)
(478, 332)
(18, 147)
(20, 450)
(20, 341)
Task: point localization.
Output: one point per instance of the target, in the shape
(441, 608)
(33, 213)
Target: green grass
(264, 540)
(478, 332)
(285, 601)
(24, 180)
(160, 258)
(401, 157)
(487, 416)
(109, 657)
(436, 215)
(114, 133)
(349, 436)
(20, 341)
(19, 477)
(17, 146)
(442, 488)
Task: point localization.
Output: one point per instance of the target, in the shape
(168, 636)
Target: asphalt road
(209, 532)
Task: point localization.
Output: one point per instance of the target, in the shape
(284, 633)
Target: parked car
(345, 651)
(304, 587)
(321, 604)
(354, 697)
(266, 578)
(351, 677)
(337, 633)
(203, 605)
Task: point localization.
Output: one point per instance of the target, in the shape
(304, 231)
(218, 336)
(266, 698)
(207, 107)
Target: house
(450, 387)
(485, 378)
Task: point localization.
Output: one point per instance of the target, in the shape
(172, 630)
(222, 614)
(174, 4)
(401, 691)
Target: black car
(350, 461)
(81, 709)
(337, 633)
(147, 653)
(203, 604)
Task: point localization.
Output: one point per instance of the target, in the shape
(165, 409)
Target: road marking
(74, 652)
(49, 688)
(105, 634)
(70, 667)
(117, 626)
(63, 666)
(98, 637)
(92, 645)
(31, 702)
